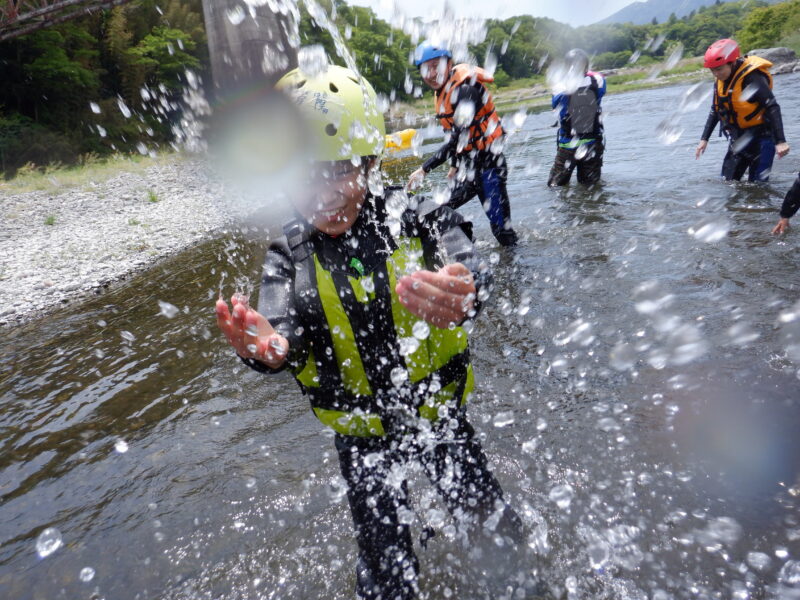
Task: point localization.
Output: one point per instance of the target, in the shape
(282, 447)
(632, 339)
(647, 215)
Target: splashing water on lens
(48, 542)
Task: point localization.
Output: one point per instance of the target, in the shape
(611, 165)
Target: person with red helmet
(749, 114)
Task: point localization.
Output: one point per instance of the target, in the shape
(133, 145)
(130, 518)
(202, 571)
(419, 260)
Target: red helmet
(720, 53)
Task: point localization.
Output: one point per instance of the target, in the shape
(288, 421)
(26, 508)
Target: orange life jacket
(485, 127)
(733, 109)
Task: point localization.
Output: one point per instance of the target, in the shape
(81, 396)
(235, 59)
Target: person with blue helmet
(473, 137)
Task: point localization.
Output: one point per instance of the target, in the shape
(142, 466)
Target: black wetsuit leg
(489, 184)
(591, 165)
(754, 156)
(458, 467)
(562, 168)
(387, 566)
(494, 200)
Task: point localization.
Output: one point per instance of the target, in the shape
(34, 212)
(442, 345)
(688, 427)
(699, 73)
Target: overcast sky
(573, 12)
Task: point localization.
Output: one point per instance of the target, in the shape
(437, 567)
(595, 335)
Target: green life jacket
(355, 374)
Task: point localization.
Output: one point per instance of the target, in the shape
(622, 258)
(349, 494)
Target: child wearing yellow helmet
(363, 301)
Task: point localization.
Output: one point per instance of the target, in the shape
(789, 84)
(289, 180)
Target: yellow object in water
(400, 140)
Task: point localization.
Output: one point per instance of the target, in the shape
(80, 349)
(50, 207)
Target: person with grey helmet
(580, 141)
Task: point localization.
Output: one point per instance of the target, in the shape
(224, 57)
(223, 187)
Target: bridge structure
(18, 17)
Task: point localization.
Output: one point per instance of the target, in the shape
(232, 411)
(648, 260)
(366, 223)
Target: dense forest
(114, 81)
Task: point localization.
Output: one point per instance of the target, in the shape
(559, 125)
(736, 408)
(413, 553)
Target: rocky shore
(56, 248)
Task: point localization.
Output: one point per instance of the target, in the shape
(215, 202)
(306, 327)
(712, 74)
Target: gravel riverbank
(59, 247)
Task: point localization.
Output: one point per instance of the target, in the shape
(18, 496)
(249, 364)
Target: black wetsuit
(751, 149)
(450, 455)
(791, 203)
(486, 171)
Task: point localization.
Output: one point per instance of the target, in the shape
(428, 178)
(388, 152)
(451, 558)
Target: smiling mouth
(333, 214)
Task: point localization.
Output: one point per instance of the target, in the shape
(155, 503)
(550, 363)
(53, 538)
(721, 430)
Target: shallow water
(636, 394)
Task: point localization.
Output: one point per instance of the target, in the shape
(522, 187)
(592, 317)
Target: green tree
(164, 56)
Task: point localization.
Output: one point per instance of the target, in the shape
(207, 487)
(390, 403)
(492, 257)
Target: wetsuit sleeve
(447, 238)
(758, 83)
(791, 203)
(601, 85)
(466, 93)
(711, 123)
(276, 303)
(556, 100)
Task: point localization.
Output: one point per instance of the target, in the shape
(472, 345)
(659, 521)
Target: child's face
(336, 197)
(434, 72)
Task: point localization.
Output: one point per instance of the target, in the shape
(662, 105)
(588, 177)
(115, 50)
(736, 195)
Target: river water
(636, 396)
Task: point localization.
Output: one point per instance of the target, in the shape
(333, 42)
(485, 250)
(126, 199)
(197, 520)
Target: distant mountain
(640, 13)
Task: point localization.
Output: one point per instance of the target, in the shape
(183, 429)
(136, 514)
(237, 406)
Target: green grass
(92, 170)
(152, 196)
(50, 220)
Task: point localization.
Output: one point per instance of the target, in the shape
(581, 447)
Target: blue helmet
(426, 51)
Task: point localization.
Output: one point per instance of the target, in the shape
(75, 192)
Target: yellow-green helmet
(342, 112)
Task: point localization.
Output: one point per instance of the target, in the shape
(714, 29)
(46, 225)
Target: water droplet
(622, 356)
(686, 344)
(503, 419)
(541, 424)
(742, 334)
(48, 542)
(95, 107)
(127, 336)
(399, 376)
(758, 560)
(440, 195)
(790, 574)
(141, 148)
(167, 310)
(101, 130)
(121, 446)
(518, 119)
(86, 575)
(236, 15)
(312, 60)
(608, 424)
(656, 220)
(579, 332)
(123, 108)
(695, 97)
(649, 298)
(464, 114)
(529, 447)
(565, 78)
(669, 130)
(421, 330)
(724, 530)
(598, 555)
(368, 284)
(250, 483)
(408, 345)
(562, 495)
(674, 57)
(710, 230)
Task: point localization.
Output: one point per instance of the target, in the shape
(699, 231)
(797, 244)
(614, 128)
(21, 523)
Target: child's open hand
(250, 333)
(441, 298)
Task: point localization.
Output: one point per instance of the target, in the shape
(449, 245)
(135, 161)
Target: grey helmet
(577, 60)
